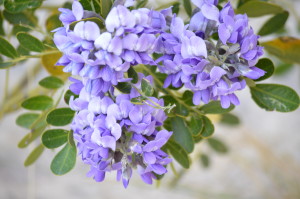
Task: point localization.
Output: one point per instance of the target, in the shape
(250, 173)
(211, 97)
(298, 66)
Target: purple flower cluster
(102, 56)
(112, 133)
(212, 70)
(116, 135)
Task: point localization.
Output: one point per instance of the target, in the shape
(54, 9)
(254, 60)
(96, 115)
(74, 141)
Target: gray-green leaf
(217, 145)
(275, 97)
(54, 138)
(188, 7)
(41, 102)
(27, 119)
(64, 161)
(208, 128)
(51, 82)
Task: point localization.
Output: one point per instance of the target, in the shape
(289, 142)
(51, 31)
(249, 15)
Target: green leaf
(60, 116)
(285, 48)
(274, 24)
(64, 161)
(27, 119)
(282, 68)
(105, 6)
(1, 24)
(259, 8)
(188, 7)
(41, 102)
(15, 6)
(181, 110)
(133, 74)
(7, 49)
(196, 125)
(187, 97)
(30, 42)
(54, 138)
(124, 87)
(178, 153)
(147, 88)
(266, 65)
(275, 97)
(176, 8)
(24, 18)
(71, 138)
(181, 134)
(141, 3)
(68, 95)
(36, 131)
(214, 107)
(217, 145)
(230, 119)
(205, 161)
(53, 22)
(91, 5)
(34, 155)
(96, 20)
(51, 82)
(4, 65)
(208, 128)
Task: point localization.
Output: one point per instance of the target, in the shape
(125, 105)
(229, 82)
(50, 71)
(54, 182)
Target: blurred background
(262, 162)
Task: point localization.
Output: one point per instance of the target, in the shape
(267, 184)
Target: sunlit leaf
(64, 161)
(49, 62)
(285, 48)
(41, 102)
(53, 22)
(275, 97)
(34, 155)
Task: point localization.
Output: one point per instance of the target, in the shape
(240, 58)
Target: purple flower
(116, 135)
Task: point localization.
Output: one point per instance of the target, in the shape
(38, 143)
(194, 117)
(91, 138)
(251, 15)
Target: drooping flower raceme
(212, 70)
(116, 135)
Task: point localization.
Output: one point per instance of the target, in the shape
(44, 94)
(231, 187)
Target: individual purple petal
(103, 40)
(225, 101)
(158, 169)
(149, 158)
(116, 131)
(108, 142)
(77, 10)
(115, 46)
(135, 115)
(91, 31)
(112, 20)
(210, 11)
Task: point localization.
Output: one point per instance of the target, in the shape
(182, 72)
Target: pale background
(263, 162)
